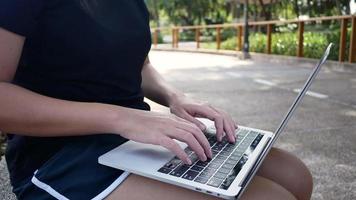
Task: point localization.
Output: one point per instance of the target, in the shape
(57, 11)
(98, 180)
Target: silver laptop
(226, 175)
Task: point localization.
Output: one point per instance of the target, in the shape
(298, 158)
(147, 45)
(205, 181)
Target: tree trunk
(156, 13)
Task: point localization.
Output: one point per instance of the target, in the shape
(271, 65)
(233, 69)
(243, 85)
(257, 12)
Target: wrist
(110, 119)
(175, 97)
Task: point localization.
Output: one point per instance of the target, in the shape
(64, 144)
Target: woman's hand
(161, 129)
(188, 109)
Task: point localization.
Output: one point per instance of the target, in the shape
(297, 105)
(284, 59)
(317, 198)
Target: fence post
(300, 51)
(173, 37)
(155, 38)
(352, 56)
(343, 35)
(269, 38)
(239, 38)
(218, 37)
(177, 37)
(197, 37)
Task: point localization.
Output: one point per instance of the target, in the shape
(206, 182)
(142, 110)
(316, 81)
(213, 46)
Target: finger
(211, 114)
(189, 139)
(233, 124)
(172, 146)
(228, 122)
(193, 120)
(231, 127)
(199, 135)
(229, 131)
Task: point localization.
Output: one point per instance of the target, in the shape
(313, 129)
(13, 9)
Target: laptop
(226, 175)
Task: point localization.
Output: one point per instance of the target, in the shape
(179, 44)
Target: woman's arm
(158, 90)
(27, 113)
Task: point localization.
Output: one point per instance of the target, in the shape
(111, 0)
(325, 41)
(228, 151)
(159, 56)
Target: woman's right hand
(160, 129)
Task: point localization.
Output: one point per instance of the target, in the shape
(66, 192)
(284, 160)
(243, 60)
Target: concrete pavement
(258, 94)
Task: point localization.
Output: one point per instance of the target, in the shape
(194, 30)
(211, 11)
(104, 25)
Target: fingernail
(189, 162)
(204, 158)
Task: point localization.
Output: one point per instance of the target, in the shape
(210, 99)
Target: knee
(297, 174)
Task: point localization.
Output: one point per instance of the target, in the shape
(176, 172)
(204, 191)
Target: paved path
(258, 93)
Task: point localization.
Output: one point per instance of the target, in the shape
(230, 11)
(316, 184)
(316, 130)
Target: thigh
(288, 171)
(138, 187)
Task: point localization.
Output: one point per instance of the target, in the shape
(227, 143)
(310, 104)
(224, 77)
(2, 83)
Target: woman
(73, 76)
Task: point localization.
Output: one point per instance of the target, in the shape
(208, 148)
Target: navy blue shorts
(74, 173)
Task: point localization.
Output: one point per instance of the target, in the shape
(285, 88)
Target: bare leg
(289, 172)
(137, 187)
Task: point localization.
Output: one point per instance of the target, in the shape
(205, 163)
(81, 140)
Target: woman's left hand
(188, 109)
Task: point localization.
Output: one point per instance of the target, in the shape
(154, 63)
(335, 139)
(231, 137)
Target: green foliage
(286, 43)
(187, 35)
(187, 12)
(159, 38)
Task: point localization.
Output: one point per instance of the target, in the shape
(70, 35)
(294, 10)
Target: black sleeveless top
(79, 50)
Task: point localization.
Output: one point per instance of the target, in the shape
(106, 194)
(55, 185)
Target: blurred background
(284, 36)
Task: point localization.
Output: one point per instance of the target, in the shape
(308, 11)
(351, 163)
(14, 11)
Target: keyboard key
(224, 170)
(214, 153)
(164, 170)
(202, 180)
(221, 157)
(229, 149)
(213, 166)
(190, 175)
(238, 153)
(254, 133)
(227, 182)
(224, 141)
(225, 153)
(197, 168)
(180, 170)
(193, 157)
(208, 172)
(201, 163)
(218, 161)
(242, 133)
(220, 175)
(230, 161)
(215, 182)
(235, 157)
(216, 148)
(173, 163)
(212, 140)
(228, 166)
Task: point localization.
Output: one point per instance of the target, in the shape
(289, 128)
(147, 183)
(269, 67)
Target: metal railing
(344, 20)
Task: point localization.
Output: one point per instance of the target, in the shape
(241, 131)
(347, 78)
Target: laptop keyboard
(221, 170)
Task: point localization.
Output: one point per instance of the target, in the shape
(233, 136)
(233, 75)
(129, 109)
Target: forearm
(28, 113)
(156, 88)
